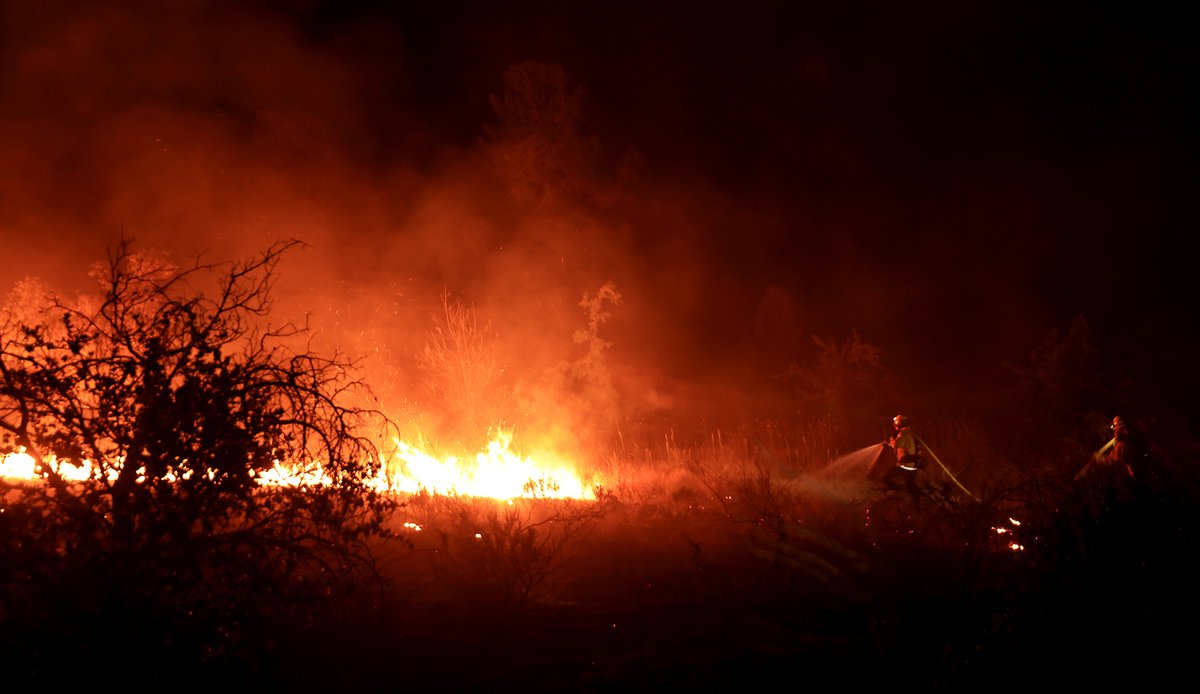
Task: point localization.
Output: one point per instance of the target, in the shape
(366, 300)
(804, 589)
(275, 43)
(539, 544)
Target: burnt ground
(672, 597)
(687, 592)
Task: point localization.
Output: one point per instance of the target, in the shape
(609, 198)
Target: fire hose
(945, 469)
(1096, 456)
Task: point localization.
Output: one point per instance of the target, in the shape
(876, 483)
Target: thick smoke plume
(513, 166)
(212, 130)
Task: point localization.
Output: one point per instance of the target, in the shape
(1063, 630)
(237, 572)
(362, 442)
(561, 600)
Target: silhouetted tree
(156, 410)
(541, 146)
(584, 385)
(1058, 406)
(840, 383)
(463, 373)
(537, 140)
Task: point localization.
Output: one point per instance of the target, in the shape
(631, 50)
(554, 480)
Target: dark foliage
(173, 564)
(176, 398)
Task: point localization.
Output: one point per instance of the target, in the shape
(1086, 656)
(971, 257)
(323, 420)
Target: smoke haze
(948, 184)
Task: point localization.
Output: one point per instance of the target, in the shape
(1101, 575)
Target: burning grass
(733, 561)
(717, 565)
(632, 555)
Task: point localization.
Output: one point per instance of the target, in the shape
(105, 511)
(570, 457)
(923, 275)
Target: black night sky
(950, 181)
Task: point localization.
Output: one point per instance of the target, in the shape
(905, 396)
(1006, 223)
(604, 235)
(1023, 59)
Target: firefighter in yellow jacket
(1122, 457)
(907, 447)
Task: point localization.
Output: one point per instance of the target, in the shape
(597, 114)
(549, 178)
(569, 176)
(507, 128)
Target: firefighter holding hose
(910, 451)
(1122, 473)
(907, 447)
(1121, 457)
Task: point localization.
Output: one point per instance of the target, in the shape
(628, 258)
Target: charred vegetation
(715, 560)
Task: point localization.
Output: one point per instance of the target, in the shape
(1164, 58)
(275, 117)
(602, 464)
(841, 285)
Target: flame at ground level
(496, 472)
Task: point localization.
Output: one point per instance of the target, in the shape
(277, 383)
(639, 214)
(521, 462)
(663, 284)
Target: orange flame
(22, 466)
(497, 472)
(1012, 544)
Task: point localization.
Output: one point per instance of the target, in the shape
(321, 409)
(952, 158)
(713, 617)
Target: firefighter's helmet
(900, 420)
(1118, 423)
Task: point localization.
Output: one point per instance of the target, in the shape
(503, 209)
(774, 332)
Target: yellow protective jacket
(908, 450)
